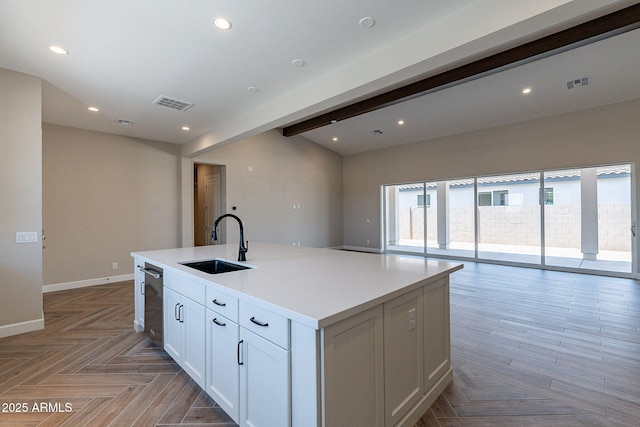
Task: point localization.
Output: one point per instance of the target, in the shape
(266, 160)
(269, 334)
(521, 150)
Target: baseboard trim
(361, 249)
(21, 327)
(84, 283)
(423, 405)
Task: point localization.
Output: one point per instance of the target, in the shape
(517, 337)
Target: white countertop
(313, 286)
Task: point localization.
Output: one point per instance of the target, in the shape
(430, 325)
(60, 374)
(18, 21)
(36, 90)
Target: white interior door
(211, 204)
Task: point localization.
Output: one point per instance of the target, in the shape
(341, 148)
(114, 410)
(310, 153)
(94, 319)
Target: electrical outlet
(114, 265)
(412, 319)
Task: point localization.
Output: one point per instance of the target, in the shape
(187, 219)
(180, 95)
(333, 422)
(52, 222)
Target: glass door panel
(614, 220)
(450, 218)
(588, 218)
(404, 212)
(562, 218)
(509, 218)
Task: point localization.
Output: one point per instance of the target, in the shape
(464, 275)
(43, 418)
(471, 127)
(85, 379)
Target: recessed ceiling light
(186, 128)
(367, 22)
(400, 122)
(58, 50)
(526, 90)
(253, 89)
(94, 109)
(335, 139)
(222, 23)
(298, 63)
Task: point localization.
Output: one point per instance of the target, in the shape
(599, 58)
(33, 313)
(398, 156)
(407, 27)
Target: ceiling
(125, 54)
(611, 67)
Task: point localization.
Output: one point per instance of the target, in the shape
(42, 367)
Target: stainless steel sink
(215, 266)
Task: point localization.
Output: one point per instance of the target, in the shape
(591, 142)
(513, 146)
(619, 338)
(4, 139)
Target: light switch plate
(26, 237)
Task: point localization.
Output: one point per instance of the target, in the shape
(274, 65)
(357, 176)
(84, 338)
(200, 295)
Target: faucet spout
(244, 246)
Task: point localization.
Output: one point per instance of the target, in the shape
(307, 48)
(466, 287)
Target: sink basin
(215, 266)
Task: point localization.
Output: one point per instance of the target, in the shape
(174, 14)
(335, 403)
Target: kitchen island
(308, 336)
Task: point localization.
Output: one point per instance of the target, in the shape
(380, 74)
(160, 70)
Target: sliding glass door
(570, 219)
(509, 218)
(588, 218)
(451, 218)
(405, 221)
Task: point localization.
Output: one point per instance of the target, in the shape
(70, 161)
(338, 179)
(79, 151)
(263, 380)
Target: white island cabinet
(310, 337)
(184, 324)
(222, 352)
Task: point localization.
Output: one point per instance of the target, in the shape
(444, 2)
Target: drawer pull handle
(259, 323)
(220, 304)
(217, 322)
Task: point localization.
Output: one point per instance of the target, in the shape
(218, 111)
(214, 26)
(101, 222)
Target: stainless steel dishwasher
(153, 303)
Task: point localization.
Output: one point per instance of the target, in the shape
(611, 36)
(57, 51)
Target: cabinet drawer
(184, 286)
(265, 323)
(222, 303)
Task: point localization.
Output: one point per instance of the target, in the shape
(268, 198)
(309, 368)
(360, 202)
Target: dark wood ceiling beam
(623, 19)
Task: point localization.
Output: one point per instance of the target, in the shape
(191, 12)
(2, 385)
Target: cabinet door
(403, 361)
(264, 383)
(138, 292)
(193, 339)
(172, 337)
(437, 350)
(223, 372)
(353, 371)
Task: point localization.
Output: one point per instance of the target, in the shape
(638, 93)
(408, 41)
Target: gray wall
(598, 136)
(284, 172)
(20, 202)
(103, 197)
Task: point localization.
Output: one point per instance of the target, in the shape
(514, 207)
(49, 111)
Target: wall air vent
(583, 81)
(173, 103)
(126, 122)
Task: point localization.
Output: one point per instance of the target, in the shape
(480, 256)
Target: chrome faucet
(243, 247)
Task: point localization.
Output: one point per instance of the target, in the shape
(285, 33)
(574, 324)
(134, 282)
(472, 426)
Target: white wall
(20, 202)
(599, 136)
(105, 196)
(267, 175)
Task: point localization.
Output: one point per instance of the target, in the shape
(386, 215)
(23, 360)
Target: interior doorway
(209, 201)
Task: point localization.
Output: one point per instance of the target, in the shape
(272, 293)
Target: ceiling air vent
(583, 81)
(175, 104)
(377, 132)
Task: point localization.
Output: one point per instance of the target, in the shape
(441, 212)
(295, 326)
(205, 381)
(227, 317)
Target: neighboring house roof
(533, 176)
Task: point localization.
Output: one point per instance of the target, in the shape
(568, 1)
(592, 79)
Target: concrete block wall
(520, 225)
(614, 227)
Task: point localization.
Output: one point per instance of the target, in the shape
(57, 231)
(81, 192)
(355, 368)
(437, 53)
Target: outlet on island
(412, 319)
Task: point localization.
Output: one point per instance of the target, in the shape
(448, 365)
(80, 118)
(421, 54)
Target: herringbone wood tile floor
(541, 348)
(529, 348)
(88, 367)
